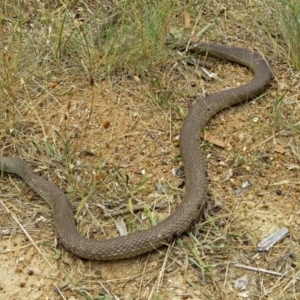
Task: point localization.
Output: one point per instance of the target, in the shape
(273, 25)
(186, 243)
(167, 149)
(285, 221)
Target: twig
(265, 271)
(158, 281)
(59, 291)
(26, 233)
(125, 211)
(271, 137)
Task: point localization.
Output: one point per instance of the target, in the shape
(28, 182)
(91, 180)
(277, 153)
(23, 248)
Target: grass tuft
(288, 13)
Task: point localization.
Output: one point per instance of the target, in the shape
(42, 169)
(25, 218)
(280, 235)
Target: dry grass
(102, 121)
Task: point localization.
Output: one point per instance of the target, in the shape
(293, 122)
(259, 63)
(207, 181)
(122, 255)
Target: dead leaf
(53, 85)
(137, 79)
(211, 138)
(121, 227)
(281, 150)
(187, 20)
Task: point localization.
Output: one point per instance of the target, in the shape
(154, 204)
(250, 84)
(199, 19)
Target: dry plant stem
(26, 233)
(265, 271)
(135, 208)
(60, 293)
(158, 283)
(195, 195)
(272, 137)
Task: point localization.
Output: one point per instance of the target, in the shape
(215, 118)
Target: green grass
(287, 12)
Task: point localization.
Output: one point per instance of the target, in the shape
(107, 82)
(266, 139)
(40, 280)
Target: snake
(195, 195)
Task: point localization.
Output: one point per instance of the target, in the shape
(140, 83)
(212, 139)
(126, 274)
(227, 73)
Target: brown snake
(194, 164)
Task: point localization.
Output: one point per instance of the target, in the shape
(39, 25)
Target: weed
(129, 188)
(288, 12)
(277, 111)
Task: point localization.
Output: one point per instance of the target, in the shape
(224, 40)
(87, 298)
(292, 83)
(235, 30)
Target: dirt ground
(122, 134)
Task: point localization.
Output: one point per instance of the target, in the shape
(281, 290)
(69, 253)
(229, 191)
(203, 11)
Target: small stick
(125, 211)
(26, 233)
(59, 292)
(264, 271)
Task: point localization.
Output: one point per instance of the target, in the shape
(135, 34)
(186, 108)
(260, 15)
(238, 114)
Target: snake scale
(194, 164)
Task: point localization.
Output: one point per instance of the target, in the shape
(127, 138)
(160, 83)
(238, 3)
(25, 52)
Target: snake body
(195, 195)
